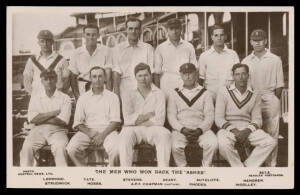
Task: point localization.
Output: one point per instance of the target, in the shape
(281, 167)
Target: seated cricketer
(97, 117)
(191, 115)
(144, 111)
(50, 111)
(238, 115)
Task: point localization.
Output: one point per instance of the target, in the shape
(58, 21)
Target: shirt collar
(212, 49)
(126, 43)
(55, 94)
(84, 50)
(170, 43)
(197, 88)
(53, 54)
(267, 54)
(153, 88)
(233, 87)
(91, 93)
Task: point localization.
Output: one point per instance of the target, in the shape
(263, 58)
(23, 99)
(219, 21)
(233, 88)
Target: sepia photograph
(150, 97)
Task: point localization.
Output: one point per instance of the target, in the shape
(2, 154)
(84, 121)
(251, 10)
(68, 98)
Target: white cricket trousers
(80, 142)
(38, 137)
(270, 106)
(207, 141)
(154, 135)
(263, 143)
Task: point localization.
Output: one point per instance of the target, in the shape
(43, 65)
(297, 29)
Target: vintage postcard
(150, 97)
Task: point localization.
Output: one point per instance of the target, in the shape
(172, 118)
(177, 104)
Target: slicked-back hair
(90, 26)
(142, 66)
(239, 65)
(215, 27)
(97, 68)
(133, 19)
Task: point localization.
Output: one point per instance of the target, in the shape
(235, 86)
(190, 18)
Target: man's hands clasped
(242, 136)
(191, 135)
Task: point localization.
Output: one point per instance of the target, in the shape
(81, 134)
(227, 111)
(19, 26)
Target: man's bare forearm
(27, 81)
(147, 123)
(66, 85)
(84, 129)
(156, 79)
(74, 85)
(42, 117)
(108, 79)
(112, 127)
(55, 121)
(201, 81)
(116, 82)
(278, 92)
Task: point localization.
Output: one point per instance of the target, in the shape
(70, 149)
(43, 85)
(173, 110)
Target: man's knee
(272, 142)
(59, 146)
(72, 149)
(27, 145)
(111, 146)
(213, 143)
(126, 133)
(176, 146)
(177, 142)
(163, 134)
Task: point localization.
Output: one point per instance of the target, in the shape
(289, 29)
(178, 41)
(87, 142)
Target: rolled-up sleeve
(114, 113)
(115, 61)
(79, 117)
(172, 113)
(28, 70)
(202, 66)
(59, 71)
(160, 109)
(28, 76)
(209, 113)
(109, 58)
(34, 108)
(150, 58)
(279, 74)
(235, 60)
(193, 58)
(158, 61)
(65, 110)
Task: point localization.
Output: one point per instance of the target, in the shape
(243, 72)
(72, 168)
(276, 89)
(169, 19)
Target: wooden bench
(144, 155)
